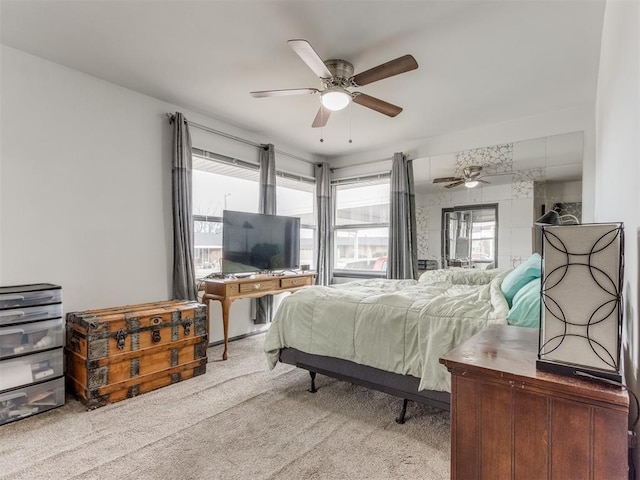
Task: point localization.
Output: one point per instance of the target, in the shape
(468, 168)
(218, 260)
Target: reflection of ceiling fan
(470, 178)
(337, 76)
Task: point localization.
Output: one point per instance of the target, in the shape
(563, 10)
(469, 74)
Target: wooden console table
(226, 290)
(509, 420)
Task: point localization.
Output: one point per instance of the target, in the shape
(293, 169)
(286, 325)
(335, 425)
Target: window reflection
(470, 236)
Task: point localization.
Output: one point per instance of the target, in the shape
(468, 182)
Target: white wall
(563, 192)
(85, 186)
(617, 156)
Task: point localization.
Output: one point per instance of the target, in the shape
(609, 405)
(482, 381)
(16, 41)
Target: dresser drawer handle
(256, 286)
(295, 281)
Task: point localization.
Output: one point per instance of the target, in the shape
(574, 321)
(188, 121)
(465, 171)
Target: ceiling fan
(470, 178)
(337, 77)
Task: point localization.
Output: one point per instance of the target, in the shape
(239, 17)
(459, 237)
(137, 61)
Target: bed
(388, 334)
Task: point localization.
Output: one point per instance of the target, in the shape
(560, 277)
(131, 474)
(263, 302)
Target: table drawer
(295, 282)
(258, 286)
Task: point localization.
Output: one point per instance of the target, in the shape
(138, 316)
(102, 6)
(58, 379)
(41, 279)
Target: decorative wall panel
(493, 159)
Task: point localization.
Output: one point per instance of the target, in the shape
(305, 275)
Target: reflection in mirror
(524, 178)
(469, 235)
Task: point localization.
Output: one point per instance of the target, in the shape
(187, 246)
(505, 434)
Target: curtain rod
(239, 139)
(361, 178)
(333, 169)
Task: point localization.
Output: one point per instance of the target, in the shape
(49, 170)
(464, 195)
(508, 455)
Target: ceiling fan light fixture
(335, 99)
(471, 183)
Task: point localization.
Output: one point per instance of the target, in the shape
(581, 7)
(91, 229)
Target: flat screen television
(255, 242)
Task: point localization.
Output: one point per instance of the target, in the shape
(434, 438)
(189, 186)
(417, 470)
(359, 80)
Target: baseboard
(239, 337)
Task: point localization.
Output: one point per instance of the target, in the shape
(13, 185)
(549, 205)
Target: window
(470, 236)
(361, 227)
(222, 183)
(218, 184)
(296, 198)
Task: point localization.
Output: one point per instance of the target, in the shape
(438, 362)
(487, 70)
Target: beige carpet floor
(238, 421)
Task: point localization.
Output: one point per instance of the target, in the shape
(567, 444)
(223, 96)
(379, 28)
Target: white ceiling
(479, 62)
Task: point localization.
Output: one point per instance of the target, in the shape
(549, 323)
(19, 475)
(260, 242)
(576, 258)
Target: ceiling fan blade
(455, 184)
(309, 56)
(386, 70)
(472, 171)
(282, 93)
(321, 117)
(447, 179)
(376, 104)
(482, 181)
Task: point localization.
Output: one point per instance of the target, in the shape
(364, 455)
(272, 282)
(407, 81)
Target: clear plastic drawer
(29, 295)
(30, 314)
(37, 367)
(31, 337)
(28, 401)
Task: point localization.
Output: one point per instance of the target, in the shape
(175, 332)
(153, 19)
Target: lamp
(471, 183)
(335, 98)
(550, 218)
(581, 293)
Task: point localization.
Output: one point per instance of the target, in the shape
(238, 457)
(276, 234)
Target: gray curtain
(264, 305)
(403, 248)
(184, 275)
(324, 248)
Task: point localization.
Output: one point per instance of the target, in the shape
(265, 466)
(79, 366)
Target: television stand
(226, 290)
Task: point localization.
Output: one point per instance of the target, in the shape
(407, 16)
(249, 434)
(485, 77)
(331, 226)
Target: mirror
(524, 179)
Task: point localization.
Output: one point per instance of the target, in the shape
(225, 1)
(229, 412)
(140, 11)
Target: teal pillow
(520, 276)
(526, 306)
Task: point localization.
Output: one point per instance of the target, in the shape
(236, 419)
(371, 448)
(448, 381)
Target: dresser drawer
(29, 295)
(30, 337)
(30, 314)
(27, 401)
(36, 367)
(295, 282)
(259, 286)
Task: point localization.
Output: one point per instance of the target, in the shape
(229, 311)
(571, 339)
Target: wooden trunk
(118, 353)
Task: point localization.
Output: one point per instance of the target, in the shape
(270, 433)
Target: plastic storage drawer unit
(29, 295)
(17, 404)
(20, 371)
(31, 337)
(31, 350)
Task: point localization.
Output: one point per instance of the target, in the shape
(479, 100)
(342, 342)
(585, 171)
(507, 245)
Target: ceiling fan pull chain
(350, 110)
(321, 122)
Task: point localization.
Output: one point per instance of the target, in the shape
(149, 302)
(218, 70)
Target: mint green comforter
(402, 326)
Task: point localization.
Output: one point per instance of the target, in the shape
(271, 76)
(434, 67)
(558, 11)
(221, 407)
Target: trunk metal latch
(120, 336)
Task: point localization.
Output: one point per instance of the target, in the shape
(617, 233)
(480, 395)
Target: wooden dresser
(509, 420)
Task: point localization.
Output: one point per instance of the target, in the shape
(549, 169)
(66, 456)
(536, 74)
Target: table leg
(226, 307)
